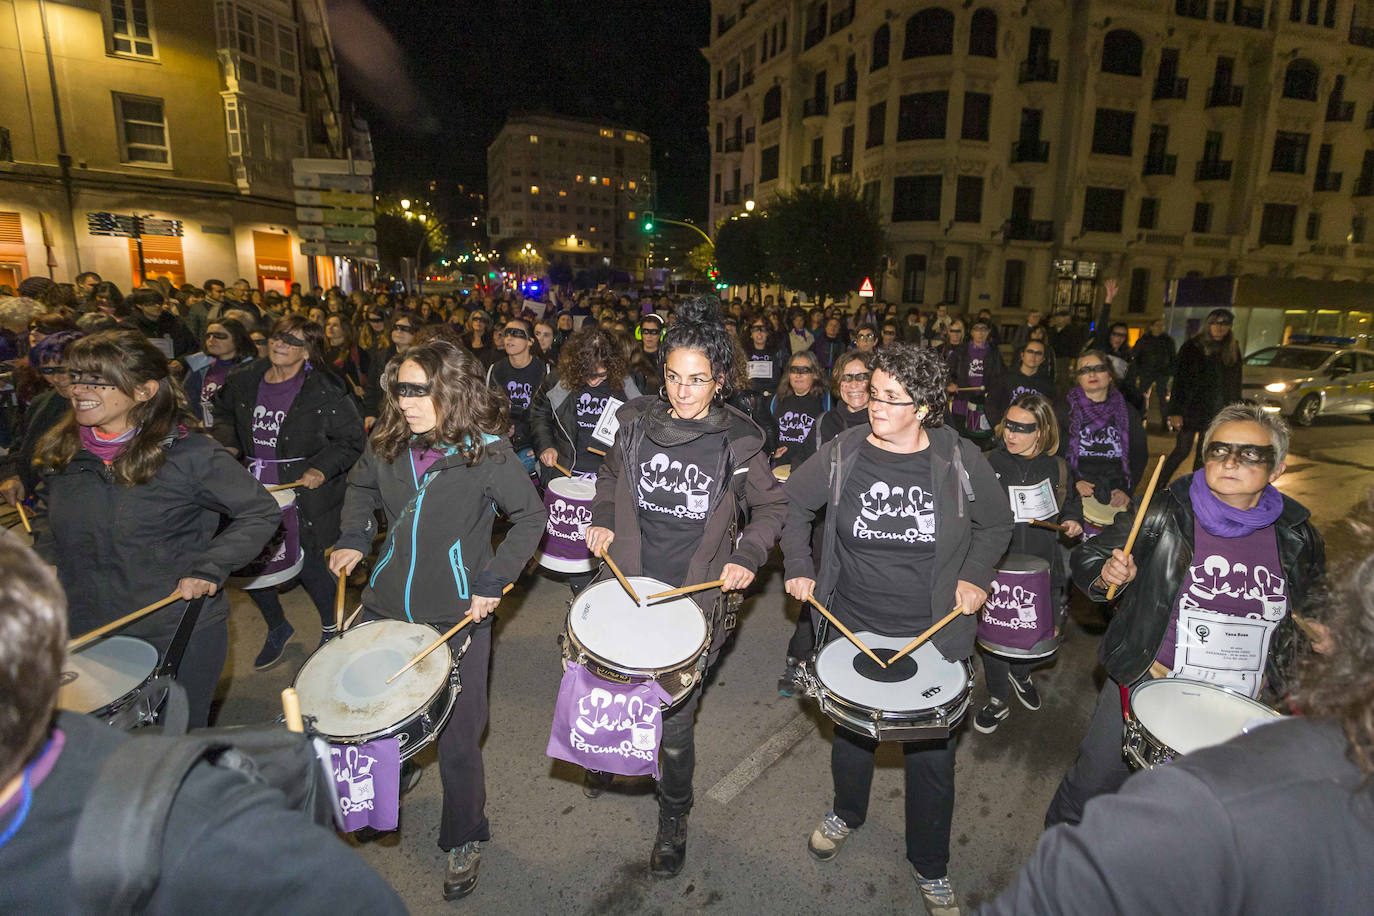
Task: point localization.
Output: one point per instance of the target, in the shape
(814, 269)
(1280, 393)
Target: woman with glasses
(866, 338)
(1104, 442)
(48, 360)
(1027, 466)
(1026, 377)
(142, 506)
(1208, 592)
(766, 361)
(439, 457)
(518, 375)
(227, 345)
(1208, 377)
(478, 337)
(290, 418)
(798, 405)
(400, 337)
(256, 335)
(890, 333)
(914, 525)
(687, 439)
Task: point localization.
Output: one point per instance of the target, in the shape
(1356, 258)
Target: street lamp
(405, 203)
(749, 206)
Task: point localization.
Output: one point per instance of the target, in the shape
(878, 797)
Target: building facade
(573, 190)
(187, 111)
(1020, 153)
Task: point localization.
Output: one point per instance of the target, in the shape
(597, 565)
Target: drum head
(934, 682)
(104, 671)
(284, 498)
(782, 472)
(573, 488)
(1190, 715)
(659, 634)
(343, 685)
(1097, 513)
(1021, 563)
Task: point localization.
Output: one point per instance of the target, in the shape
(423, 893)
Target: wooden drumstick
(291, 708)
(453, 631)
(845, 630)
(911, 646)
(624, 583)
(339, 600)
(565, 471)
(972, 388)
(127, 619)
(596, 451)
(687, 589)
(24, 519)
(1042, 524)
(1139, 517)
(351, 617)
(285, 486)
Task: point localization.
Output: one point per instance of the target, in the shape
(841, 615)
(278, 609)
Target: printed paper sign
(607, 425)
(1033, 503)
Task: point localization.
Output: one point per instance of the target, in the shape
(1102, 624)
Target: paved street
(762, 777)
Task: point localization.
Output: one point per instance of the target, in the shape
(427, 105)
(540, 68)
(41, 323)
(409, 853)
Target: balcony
(813, 173)
(1225, 96)
(841, 19)
(725, 23)
(1336, 110)
(1171, 89)
(1327, 183)
(749, 191)
(730, 89)
(1030, 230)
(814, 108)
(731, 198)
(1252, 17)
(748, 135)
(1364, 186)
(847, 91)
(841, 165)
(1192, 9)
(1362, 35)
(814, 36)
(1164, 164)
(734, 144)
(1030, 150)
(1214, 170)
(1042, 70)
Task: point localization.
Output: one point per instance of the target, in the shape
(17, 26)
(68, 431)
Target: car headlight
(1276, 387)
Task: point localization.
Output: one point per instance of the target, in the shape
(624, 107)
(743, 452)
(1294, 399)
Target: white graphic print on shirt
(1100, 442)
(794, 426)
(520, 394)
(669, 487)
(589, 409)
(895, 514)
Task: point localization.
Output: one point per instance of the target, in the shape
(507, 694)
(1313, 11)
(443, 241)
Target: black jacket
(1153, 355)
(553, 419)
(993, 370)
(167, 325)
(322, 428)
(1202, 386)
(1163, 552)
(120, 548)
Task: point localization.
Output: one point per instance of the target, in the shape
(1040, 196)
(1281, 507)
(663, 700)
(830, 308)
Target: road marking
(763, 757)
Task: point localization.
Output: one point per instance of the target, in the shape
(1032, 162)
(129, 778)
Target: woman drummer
(436, 463)
(135, 500)
(911, 510)
(290, 418)
(1104, 441)
(687, 438)
(1026, 461)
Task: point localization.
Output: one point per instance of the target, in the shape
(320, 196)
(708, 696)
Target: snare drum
(281, 559)
(569, 504)
(620, 641)
(1170, 717)
(107, 679)
(343, 686)
(1097, 516)
(1018, 620)
(922, 697)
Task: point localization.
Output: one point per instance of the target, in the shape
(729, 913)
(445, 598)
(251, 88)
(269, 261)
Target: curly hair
(849, 356)
(922, 374)
(589, 348)
(699, 327)
(466, 408)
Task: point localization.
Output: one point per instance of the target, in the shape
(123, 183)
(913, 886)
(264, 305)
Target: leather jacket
(1163, 553)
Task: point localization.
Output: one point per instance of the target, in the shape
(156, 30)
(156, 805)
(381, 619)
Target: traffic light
(648, 221)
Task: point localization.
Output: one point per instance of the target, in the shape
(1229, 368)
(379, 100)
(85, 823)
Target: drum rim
(445, 684)
(965, 690)
(120, 702)
(1221, 688)
(646, 673)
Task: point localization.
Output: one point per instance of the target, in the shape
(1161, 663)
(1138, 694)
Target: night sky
(436, 79)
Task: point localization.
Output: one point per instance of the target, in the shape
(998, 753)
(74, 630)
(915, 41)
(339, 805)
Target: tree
(742, 251)
(824, 240)
(700, 259)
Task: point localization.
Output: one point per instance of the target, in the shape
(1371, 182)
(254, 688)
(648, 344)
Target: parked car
(1310, 381)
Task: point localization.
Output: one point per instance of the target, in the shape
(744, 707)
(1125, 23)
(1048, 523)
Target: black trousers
(998, 671)
(1100, 768)
(1160, 383)
(201, 666)
(677, 757)
(463, 817)
(1182, 446)
(319, 584)
(929, 793)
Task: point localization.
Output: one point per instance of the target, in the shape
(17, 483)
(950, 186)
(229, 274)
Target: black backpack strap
(116, 855)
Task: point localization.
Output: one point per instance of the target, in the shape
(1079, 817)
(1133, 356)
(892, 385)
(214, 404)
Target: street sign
(339, 249)
(120, 225)
(314, 233)
(333, 217)
(866, 288)
(327, 198)
(332, 166)
(359, 184)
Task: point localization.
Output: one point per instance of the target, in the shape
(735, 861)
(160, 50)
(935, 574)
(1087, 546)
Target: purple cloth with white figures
(368, 777)
(1018, 613)
(274, 400)
(565, 534)
(613, 728)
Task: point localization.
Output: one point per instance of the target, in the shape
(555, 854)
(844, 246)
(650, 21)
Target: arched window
(772, 105)
(982, 37)
(929, 33)
(1300, 80)
(882, 39)
(1121, 52)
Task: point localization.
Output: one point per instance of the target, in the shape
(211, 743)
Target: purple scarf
(1224, 521)
(1085, 413)
(106, 450)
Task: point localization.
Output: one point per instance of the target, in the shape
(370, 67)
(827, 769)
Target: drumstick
(285, 486)
(291, 708)
(566, 472)
(1042, 524)
(927, 634)
(351, 617)
(624, 583)
(1307, 629)
(687, 589)
(24, 519)
(127, 619)
(845, 630)
(1139, 517)
(596, 451)
(440, 641)
(339, 600)
(973, 388)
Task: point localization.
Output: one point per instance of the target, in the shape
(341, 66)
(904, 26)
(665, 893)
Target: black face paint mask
(409, 390)
(1014, 427)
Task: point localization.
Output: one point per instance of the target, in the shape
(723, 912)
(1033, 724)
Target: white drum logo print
(888, 513)
(669, 487)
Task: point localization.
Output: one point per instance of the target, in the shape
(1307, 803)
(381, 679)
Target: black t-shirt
(796, 415)
(519, 386)
(765, 369)
(590, 402)
(674, 487)
(886, 530)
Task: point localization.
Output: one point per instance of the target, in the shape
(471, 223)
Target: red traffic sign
(866, 288)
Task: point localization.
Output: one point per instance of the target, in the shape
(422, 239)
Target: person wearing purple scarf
(1105, 445)
(1207, 593)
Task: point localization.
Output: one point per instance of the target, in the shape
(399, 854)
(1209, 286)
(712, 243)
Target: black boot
(670, 846)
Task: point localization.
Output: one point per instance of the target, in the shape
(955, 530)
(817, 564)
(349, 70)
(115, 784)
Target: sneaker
(938, 895)
(991, 716)
(274, 647)
(670, 847)
(790, 685)
(461, 875)
(828, 836)
(595, 782)
(1026, 693)
(326, 634)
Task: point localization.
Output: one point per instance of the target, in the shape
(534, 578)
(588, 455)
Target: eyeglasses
(1220, 321)
(672, 379)
(1014, 427)
(375, 319)
(478, 319)
(54, 370)
(91, 380)
(866, 335)
(757, 327)
(518, 333)
(216, 335)
(1251, 455)
(404, 328)
(1090, 370)
(1030, 352)
(851, 377)
(800, 370)
(288, 338)
(410, 390)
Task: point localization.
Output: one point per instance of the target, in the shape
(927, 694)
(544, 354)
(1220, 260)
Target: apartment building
(1020, 153)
